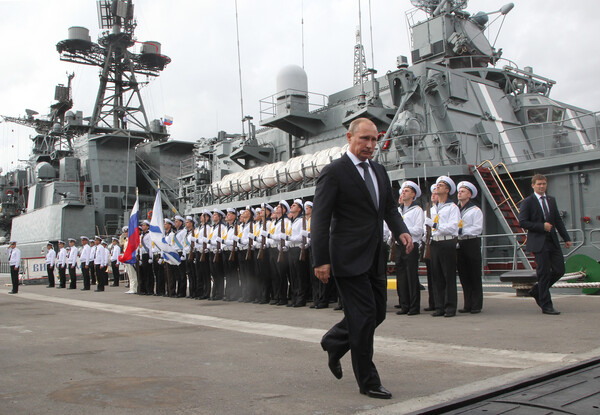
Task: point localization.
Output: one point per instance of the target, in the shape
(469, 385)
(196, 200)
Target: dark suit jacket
(531, 218)
(346, 227)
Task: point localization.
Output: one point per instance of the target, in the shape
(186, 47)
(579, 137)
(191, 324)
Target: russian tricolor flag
(133, 240)
(168, 120)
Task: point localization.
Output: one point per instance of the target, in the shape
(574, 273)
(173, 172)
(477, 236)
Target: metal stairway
(504, 205)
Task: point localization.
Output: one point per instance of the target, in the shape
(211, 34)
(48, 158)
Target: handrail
(496, 176)
(592, 243)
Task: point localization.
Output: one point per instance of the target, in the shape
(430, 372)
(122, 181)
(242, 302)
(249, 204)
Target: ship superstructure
(460, 109)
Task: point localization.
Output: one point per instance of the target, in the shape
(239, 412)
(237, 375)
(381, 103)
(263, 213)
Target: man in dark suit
(352, 199)
(539, 215)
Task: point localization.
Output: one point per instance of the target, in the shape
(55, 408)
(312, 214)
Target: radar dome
(44, 171)
(292, 77)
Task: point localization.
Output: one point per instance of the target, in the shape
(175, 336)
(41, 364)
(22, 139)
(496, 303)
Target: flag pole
(137, 260)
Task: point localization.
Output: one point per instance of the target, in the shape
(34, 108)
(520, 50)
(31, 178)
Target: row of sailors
(205, 250)
(449, 235)
(94, 258)
(259, 255)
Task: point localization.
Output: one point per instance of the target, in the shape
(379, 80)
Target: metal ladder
(498, 194)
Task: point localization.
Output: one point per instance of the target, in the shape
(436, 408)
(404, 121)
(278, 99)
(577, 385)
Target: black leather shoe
(85, 289)
(334, 364)
(322, 305)
(402, 312)
(13, 292)
(449, 314)
(413, 313)
(282, 303)
(49, 286)
(339, 308)
(98, 291)
(378, 392)
(551, 311)
(438, 314)
(464, 310)
(475, 311)
(397, 306)
(429, 309)
(299, 305)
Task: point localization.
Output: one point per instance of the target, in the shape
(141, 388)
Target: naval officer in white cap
(468, 259)
(407, 265)
(14, 261)
(444, 236)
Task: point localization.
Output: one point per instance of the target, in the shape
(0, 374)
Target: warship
(459, 108)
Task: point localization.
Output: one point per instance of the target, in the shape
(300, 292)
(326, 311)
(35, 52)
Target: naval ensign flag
(133, 240)
(157, 233)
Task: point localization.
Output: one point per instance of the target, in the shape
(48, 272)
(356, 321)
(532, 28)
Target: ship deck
(73, 352)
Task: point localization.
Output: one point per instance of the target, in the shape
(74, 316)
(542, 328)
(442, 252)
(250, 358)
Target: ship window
(105, 188)
(96, 188)
(111, 202)
(122, 189)
(537, 115)
(132, 189)
(557, 114)
(114, 189)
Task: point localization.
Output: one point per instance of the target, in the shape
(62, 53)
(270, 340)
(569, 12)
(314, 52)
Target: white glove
(304, 233)
(160, 260)
(250, 237)
(149, 261)
(429, 222)
(235, 238)
(264, 233)
(182, 257)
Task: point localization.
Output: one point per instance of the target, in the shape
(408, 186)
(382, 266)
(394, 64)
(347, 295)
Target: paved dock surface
(81, 352)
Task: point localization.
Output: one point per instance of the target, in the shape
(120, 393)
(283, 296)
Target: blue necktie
(545, 208)
(369, 182)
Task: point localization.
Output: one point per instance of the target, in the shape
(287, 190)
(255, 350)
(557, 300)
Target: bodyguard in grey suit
(540, 217)
(352, 199)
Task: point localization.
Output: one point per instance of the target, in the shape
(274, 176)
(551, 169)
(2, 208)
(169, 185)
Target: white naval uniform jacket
(414, 220)
(50, 257)
(446, 219)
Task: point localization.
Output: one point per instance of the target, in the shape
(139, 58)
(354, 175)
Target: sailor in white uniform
(72, 262)
(468, 260)
(444, 236)
(407, 265)
(50, 261)
(84, 261)
(14, 261)
(62, 265)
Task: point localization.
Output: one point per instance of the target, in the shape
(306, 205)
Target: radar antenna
(119, 105)
(360, 63)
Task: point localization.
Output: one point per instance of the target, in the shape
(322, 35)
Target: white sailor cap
(60, 242)
(71, 239)
(169, 221)
(469, 186)
(413, 186)
(189, 219)
(232, 210)
(285, 204)
(82, 237)
(178, 217)
(432, 188)
(104, 242)
(309, 204)
(206, 212)
(146, 222)
(97, 237)
(448, 181)
(269, 207)
(299, 203)
(125, 228)
(50, 244)
(114, 238)
(257, 210)
(220, 212)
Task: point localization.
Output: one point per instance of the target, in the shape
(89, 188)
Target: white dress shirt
(51, 257)
(361, 171)
(14, 258)
(62, 257)
(84, 255)
(73, 256)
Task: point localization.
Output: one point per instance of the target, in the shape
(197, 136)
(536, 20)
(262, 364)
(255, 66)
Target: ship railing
(557, 138)
(268, 106)
(592, 237)
(502, 183)
(500, 251)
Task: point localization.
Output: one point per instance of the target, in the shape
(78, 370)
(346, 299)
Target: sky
(200, 88)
